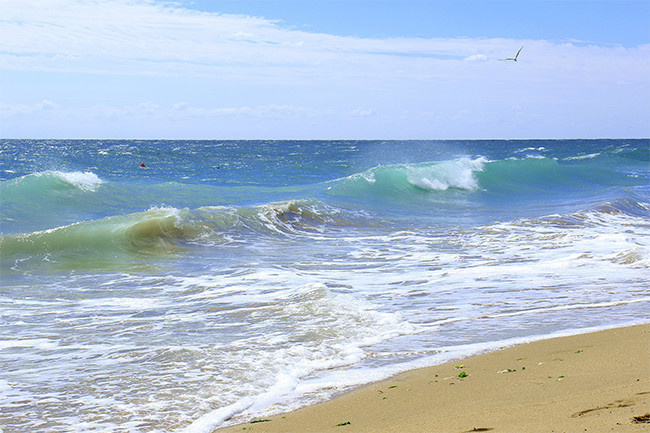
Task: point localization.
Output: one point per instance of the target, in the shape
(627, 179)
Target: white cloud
(183, 110)
(364, 112)
(150, 109)
(144, 37)
(233, 68)
(477, 58)
(10, 110)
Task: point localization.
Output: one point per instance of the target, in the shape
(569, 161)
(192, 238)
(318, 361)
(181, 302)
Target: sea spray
(447, 174)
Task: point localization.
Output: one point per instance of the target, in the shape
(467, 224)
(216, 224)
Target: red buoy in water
(142, 165)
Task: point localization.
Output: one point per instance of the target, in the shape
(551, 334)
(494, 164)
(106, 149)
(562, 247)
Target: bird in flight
(514, 59)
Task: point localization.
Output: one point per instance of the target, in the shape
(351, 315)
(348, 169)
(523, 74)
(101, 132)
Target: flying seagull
(514, 59)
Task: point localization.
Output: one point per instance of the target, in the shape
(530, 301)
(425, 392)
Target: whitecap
(86, 181)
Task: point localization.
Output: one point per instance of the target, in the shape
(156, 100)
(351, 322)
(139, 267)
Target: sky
(324, 69)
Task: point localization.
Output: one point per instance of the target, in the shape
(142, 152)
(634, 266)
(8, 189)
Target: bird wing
(515, 57)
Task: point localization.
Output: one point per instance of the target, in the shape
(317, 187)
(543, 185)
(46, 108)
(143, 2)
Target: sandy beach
(596, 382)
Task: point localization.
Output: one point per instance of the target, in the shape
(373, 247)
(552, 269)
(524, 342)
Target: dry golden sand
(597, 382)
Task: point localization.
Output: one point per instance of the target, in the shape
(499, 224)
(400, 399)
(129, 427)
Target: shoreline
(594, 382)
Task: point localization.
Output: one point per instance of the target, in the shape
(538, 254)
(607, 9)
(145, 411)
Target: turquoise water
(230, 279)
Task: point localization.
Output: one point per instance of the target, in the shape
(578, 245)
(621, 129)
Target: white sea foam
(122, 303)
(87, 181)
(35, 343)
(447, 174)
(503, 284)
(579, 157)
(316, 310)
(528, 149)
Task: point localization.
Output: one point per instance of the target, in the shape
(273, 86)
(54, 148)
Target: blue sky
(324, 69)
(622, 22)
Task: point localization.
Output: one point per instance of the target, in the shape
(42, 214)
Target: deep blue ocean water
(225, 280)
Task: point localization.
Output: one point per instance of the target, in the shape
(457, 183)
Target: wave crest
(398, 180)
(459, 173)
(153, 231)
(168, 230)
(86, 181)
(42, 183)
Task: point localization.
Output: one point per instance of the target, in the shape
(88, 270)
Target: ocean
(178, 286)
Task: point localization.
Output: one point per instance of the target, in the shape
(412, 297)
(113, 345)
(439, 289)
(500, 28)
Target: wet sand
(596, 382)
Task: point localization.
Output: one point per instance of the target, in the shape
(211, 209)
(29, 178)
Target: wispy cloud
(10, 110)
(145, 37)
(234, 68)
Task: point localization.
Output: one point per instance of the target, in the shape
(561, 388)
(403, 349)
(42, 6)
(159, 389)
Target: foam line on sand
(595, 382)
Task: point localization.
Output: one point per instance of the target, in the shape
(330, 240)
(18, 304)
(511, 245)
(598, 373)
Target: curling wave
(507, 176)
(146, 232)
(52, 180)
(412, 178)
(166, 230)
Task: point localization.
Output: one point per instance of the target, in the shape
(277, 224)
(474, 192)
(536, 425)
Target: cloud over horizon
(271, 65)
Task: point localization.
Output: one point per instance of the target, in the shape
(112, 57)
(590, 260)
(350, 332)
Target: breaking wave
(400, 179)
(47, 181)
(507, 176)
(167, 230)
